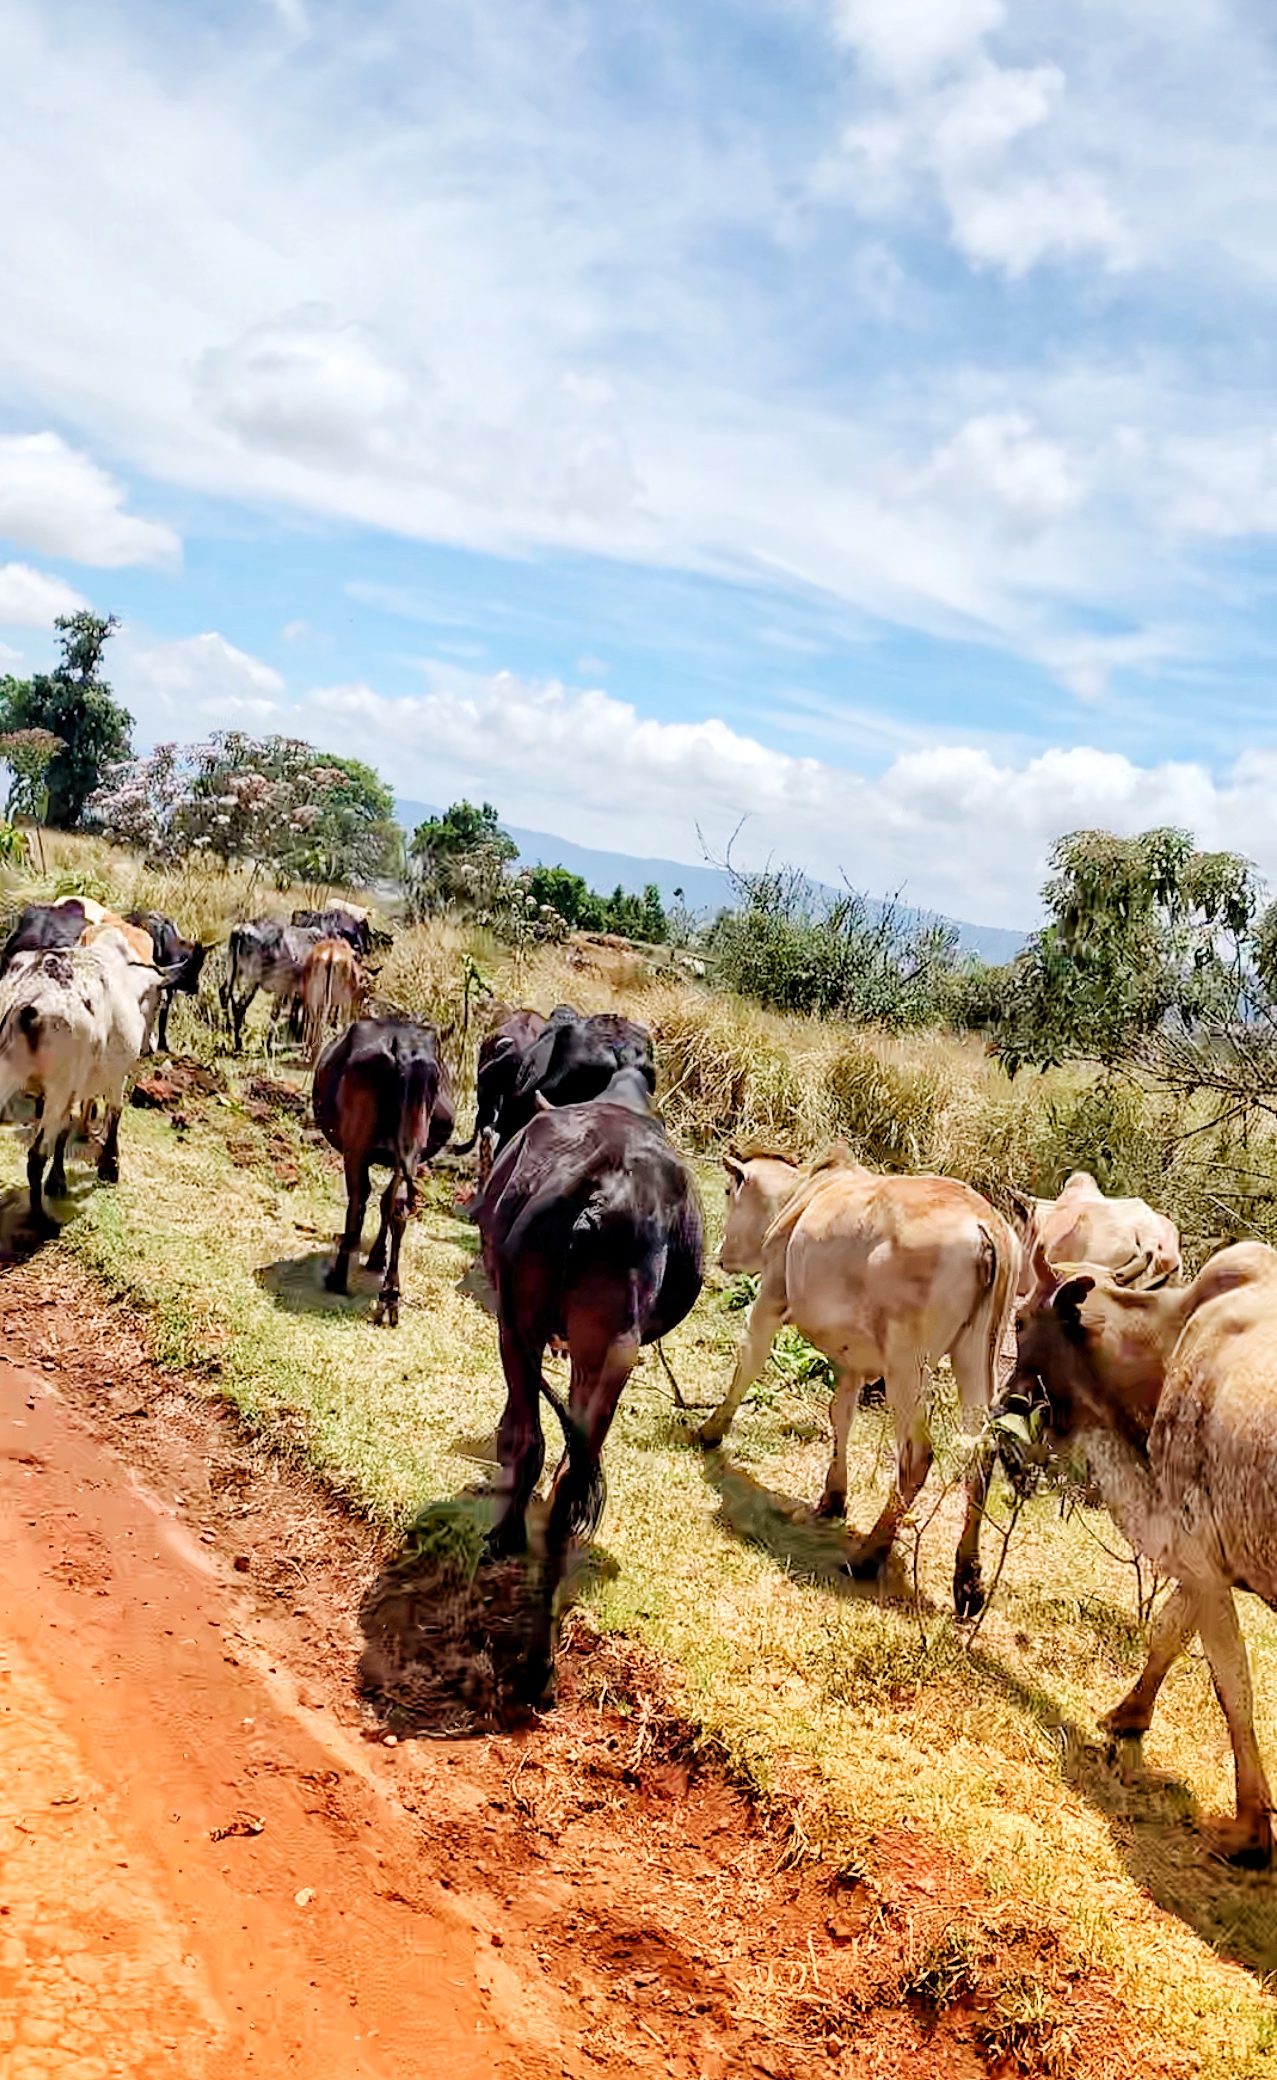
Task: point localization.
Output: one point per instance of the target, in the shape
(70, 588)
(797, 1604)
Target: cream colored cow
(885, 1275)
(1136, 1246)
(1173, 1397)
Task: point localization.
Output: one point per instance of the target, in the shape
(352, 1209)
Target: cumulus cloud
(190, 684)
(947, 117)
(32, 599)
(54, 499)
(957, 828)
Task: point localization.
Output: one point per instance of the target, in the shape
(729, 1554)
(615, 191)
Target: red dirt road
(132, 1942)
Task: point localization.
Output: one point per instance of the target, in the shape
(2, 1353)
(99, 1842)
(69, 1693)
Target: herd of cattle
(592, 1240)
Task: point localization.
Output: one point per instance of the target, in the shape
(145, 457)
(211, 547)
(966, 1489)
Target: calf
(333, 987)
(592, 1236)
(884, 1275)
(1173, 1397)
(264, 955)
(181, 961)
(73, 1021)
(382, 1095)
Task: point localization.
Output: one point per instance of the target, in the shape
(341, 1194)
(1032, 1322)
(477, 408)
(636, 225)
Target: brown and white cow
(1173, 1397)
(1125, 1237)
(885, 1275)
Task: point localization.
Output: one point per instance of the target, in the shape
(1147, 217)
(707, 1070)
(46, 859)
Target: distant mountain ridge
(704, 888)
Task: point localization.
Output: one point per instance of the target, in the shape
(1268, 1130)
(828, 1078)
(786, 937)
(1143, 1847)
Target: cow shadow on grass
(809, 1547)
(1159, 1833)
(1155, 1825)
(446, 1628)
(296, 1284)
(19, 1238)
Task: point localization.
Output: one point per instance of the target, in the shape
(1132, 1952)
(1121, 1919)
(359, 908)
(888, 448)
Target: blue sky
(852, 416)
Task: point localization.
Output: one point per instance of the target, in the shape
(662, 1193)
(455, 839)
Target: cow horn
(543, 1103)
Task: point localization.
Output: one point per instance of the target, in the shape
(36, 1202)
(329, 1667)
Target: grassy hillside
(866, 1707)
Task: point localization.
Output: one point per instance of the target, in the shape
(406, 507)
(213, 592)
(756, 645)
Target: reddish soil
(214, 1862)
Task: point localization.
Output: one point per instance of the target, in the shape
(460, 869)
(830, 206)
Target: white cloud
(946, 119)
(188, 685)
(1001, 460)
(31, 598)
(55, 500)
(909, 41)
(957, 828)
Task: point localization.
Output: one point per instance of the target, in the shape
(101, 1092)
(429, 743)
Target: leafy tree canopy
(1144, 932)
(76, 705)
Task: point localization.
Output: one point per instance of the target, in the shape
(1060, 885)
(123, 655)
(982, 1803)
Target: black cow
(338, 922)
(182, 959)
(592, 1234)
(382, 1095)
(574, 1059)
(501, 1055)
(42, 927)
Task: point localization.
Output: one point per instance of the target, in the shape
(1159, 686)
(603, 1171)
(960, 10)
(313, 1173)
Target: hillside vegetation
(856, 1708)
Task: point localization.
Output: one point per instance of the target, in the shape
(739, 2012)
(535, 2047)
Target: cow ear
(735, 1169)
(1068, 1305)
(1021, 1205)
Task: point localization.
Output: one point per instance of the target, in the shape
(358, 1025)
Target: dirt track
(178, 1650)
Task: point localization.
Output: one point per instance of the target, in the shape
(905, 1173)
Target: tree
(459, 860)
(276, 801)
(569, 895)
(1146, 933)
(75, 704)
(28, 753)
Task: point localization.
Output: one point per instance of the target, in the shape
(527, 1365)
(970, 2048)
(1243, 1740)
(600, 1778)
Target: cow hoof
(968, 1592)
(386, 1310)
(831, 1504)
(56, 1185)
(1125, 1750)
(710, 1436)
(1246, 1841)
(862, 1563)
(335, 1280)
(376, 1260)
(108, 1173)
(507, 1541)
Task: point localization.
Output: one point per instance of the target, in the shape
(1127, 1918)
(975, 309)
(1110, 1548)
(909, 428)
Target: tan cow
(1125, 1237)
(333, 988)
(1173, 1397)
(884, 1275)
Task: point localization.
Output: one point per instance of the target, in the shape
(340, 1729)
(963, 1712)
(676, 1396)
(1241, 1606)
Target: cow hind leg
(376, 1260)
(520, 1441)
(842, 1414)
(396, 1206)
(600, 1368)
(357, 1188)
(56, 1185)
(972, 1360)
(109, 1160)
(42, 1222)
(906, 1396)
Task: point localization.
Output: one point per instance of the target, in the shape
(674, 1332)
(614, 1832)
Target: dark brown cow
(592, 1235)
(501, 1055)
(382, 1095)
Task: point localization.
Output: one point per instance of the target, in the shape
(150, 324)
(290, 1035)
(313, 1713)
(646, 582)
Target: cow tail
(993, 1311)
